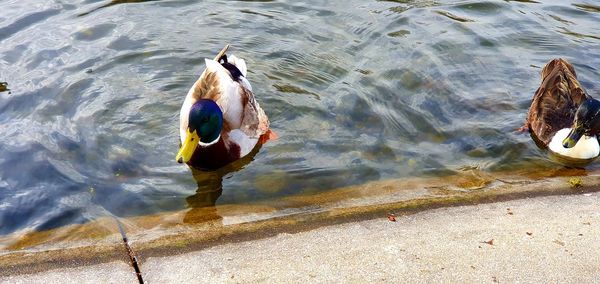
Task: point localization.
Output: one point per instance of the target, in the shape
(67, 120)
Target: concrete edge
(27, 262)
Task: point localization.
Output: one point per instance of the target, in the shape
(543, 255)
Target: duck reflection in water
(210, 187)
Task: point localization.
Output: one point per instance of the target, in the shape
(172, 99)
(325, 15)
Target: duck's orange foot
(270, 135)
(523, 129)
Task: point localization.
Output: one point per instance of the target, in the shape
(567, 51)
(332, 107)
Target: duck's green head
(204, 126)
(587, 122)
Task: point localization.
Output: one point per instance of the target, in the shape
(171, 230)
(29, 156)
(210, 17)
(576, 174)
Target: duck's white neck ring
(202, 144)
(586, 148)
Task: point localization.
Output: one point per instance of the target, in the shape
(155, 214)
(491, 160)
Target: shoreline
(550, 239)
(169, 234)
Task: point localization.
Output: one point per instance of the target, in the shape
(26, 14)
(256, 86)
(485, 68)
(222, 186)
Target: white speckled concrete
(443, 245)
(113, 272)
(540, 240)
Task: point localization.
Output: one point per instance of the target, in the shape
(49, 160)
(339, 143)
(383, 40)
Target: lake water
(357, 90)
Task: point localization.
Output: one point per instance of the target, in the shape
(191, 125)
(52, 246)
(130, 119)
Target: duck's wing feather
(555, 101)
(254, 122)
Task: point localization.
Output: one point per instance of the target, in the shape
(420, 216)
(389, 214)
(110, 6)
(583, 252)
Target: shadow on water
(210, 188)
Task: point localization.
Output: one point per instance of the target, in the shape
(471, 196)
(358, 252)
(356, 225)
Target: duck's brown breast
(215, 156)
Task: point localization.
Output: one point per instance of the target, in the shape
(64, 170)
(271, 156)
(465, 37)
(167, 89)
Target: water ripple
(356, 90)
(24, 22)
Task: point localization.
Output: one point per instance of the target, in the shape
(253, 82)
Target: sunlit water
(357, 91)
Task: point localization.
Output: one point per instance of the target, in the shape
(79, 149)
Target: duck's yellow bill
(189, 146)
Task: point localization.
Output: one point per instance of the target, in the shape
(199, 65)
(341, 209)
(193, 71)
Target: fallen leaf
(575, 182)
(529, 233)
(391, 217)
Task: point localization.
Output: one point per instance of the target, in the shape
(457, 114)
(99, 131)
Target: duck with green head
(220, 121)
(562, 117)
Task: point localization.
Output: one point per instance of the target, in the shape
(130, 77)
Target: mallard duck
(220, 120)
(562, 117)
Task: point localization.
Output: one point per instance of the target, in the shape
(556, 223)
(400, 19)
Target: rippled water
(357, 91)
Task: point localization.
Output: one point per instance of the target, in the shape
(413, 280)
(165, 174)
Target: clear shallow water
(357, 91)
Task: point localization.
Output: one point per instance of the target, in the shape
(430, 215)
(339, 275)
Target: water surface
(358, 91)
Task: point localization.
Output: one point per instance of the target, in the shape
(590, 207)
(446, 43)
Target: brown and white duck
(220, 120)
(562, 117)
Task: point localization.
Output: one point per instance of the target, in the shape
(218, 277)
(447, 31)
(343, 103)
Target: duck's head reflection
(210, 188)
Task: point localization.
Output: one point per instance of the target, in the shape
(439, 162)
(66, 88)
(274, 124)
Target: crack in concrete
(132, 258)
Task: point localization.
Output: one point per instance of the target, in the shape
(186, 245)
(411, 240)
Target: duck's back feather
(555, 101)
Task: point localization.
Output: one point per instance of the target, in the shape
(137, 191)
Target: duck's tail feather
(221, 53)
(560, 74)
(239, 63)
(558, 64)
